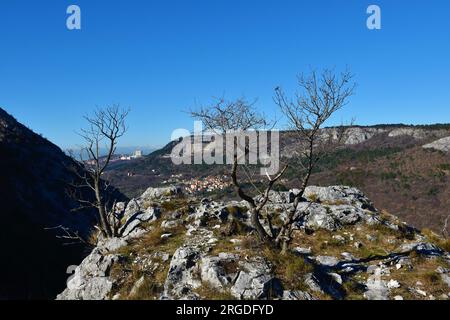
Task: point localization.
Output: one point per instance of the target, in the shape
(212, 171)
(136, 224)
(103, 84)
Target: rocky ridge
(342, 248)
(441, 145)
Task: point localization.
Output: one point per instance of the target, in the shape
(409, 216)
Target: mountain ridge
(372, 161)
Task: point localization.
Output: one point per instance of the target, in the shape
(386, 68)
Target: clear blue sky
(161, 57)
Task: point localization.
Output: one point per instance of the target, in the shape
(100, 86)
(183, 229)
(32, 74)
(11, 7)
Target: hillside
(33, 191)
(181, 247)
(387, 162)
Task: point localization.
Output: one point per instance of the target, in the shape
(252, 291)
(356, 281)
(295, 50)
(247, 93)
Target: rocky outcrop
(412, 132)
(418, 133)
(441, 145)
(160, 193)
(327, 208)
(136, 218)
(197, 266)
(91, 279)
(358, 135)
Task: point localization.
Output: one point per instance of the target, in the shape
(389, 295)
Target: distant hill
(34, 178)
(386, 161)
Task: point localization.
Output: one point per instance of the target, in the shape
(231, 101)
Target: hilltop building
(137, 154)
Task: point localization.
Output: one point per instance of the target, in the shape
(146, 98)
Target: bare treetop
(226, 115)
(320, 96)
(104, 126)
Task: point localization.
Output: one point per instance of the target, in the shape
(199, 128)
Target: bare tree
(320, 96)
(225, 117)
(104, 128)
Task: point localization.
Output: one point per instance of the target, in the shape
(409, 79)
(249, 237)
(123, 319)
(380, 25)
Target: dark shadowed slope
(34, 177)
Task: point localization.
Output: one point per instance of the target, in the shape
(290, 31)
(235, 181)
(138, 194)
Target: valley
(387, 162)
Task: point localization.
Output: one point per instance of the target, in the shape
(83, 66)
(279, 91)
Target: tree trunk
(257, 225)
(101, 211)
(283, 237)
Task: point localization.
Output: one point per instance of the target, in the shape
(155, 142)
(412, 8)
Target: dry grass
(126, 273)
(322, 242)
(225, 245)
(437, 240)
(175, 204)
(354, 289)
(93, 237)
(313, 197)
(207, 292)
(289, 268)
(149, 290)
(424, 271)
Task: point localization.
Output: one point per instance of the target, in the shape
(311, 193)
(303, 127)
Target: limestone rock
(296, 295)
(424, 248)
(255, 281)
(328, 261)
(213, 272)
(159, 193)
(91, 278)
(181, 278)
(168, 224)
(413, 132)
(138, 217)
(112, 244)
(441, 145)
(392, 284)
(377, 288)
(302, 251)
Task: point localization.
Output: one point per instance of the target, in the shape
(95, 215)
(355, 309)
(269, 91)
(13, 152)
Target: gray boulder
(182, 276)
(255, 281)
(111, 244)
(213, 272)
(160, 193)
(327, 261)
(91, 278)
(149, 215)
(169, 224)
(325, 283)
(296, 295)
(424, 248)
(377, 289)
(132, 208)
